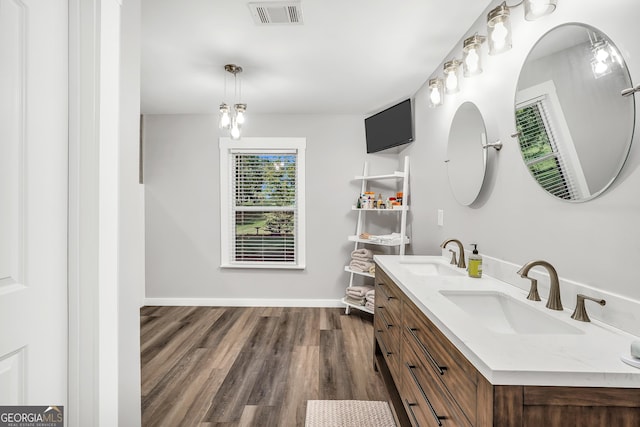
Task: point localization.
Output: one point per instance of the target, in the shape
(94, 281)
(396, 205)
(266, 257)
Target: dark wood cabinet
(433, 384)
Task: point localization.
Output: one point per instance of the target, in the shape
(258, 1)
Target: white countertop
(587, 359)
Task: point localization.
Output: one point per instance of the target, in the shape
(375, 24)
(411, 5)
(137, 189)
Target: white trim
(94, 51)
(243, 302)
(566, 146)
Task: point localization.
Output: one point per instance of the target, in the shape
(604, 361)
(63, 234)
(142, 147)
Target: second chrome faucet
(461, 262)
(553, 302)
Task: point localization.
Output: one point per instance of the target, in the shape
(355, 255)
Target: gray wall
(595, 243)
(183, 211)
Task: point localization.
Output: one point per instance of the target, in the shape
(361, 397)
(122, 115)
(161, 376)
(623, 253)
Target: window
(545, 142)
(539, 150)
(262, 202)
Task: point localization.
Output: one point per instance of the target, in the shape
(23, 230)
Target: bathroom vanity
(458, 351)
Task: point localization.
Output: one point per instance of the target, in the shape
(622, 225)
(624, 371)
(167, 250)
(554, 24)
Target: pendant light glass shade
(471, 59)
(452, 76)
(534, 9)
(499, 29)
(435, 92)
(225, 118)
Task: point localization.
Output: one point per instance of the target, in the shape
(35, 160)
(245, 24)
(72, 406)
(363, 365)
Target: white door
(33, 201)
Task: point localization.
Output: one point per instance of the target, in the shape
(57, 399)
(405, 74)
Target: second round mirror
(466, 156)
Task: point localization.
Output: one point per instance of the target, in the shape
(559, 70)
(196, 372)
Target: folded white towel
(359, 265)
(362, 254)
(356, 301)
(358, 291)
(393, 238)
(371, 293)
(369, 305)
(370, 296)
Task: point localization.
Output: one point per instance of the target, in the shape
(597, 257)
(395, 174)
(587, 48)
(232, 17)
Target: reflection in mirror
(466, 155)
(574, 127)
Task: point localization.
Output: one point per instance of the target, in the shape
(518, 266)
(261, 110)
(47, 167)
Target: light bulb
(535, 9)
(240, 117)
(600, 68)
(225, 119)
(235, 130)
(601, 54)
(472, 61)
(452, 81)
(499, 36)
(538, 7)
(435, 92)
(434, 96)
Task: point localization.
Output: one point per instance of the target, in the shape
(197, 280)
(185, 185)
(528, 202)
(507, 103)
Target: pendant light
(233, 120)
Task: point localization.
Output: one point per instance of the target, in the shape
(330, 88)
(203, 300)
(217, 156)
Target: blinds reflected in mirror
(540, 151)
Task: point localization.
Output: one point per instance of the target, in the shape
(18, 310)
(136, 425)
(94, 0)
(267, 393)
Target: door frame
(94, 48)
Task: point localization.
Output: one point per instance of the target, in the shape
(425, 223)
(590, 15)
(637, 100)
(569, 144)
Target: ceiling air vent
(281, 12)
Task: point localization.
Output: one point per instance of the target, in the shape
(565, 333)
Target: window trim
(564, 142)
(265, 145)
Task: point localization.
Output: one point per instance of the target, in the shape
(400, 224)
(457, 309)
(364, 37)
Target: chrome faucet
(461, 262)
(553, 302)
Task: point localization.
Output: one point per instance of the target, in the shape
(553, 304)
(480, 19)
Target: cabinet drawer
(387, 330)
(443, 361)
(425, 400)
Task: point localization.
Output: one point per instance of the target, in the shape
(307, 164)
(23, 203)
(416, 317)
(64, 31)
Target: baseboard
(243, 302)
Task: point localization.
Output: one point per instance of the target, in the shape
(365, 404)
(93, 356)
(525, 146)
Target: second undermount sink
(428, 268)
(504, 314)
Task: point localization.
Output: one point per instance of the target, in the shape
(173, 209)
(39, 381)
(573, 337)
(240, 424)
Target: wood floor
(221, 366)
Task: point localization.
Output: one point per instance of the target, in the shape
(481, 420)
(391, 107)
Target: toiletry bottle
(380, 203)
(475, 263)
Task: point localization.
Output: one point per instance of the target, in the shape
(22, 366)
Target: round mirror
(574, 126)
(466, 158)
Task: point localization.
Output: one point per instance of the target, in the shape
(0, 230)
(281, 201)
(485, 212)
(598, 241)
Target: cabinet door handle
(383, 347)
(441, 369)
(410, 407)
(436, 417)
(384, 320)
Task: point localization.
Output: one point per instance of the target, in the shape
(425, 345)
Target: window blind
(539, 147)
(264, 206)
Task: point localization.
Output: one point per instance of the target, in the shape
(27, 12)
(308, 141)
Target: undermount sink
(504, 314)
(429, 268)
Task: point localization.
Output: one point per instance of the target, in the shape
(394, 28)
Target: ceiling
(347, 56)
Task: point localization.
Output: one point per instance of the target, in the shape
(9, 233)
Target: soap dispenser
(475, 263)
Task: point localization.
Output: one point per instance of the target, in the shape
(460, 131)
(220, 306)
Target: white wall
(595, 243)
(183, 212)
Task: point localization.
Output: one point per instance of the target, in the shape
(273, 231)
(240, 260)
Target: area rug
(348, 413)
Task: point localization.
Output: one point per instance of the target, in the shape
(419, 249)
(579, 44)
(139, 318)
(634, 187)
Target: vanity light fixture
(233, 120)
(452, 76)
(471, 55)
(605, 56)
(499, 29)
(534, 9)
(435, 92)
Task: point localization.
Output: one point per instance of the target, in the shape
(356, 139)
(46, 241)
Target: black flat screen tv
(389, 128)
